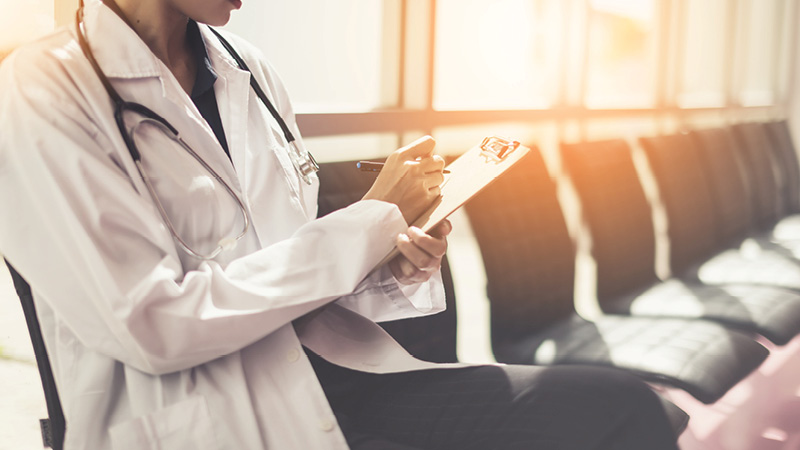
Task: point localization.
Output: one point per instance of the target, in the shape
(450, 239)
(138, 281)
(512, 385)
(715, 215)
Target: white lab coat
(154, 349)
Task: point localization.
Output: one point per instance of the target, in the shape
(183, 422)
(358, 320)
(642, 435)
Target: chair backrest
(731, 199)
(618, 214)
(682, 183)
(431, 338)
(53, 428)
(762, 174)
(527, 251)
(786, 154)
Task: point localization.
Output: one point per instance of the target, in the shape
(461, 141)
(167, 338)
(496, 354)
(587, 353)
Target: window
(496, 54)
(521, 61)
(759, 38)
(622, 54)
(702, 75)
(785, 58)
(331, 55)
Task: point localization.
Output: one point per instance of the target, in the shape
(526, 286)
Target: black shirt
(203, 90)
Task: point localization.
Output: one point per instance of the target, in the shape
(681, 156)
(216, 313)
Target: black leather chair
(54, 427)
(785, 153)
(737, 198)
(530, 267)
(623, 238)
(761, 173)
(431, 338)
(736, 286)
(755, 243)
(772, 141)
(724, 170)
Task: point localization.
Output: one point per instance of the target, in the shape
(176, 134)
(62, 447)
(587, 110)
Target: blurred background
(369, 75)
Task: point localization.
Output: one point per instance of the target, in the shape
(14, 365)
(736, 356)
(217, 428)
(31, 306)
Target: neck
(163, 29)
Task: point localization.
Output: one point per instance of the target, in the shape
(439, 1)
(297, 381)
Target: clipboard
(469, 174)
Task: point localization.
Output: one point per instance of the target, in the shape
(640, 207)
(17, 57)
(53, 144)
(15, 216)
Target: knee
(607, 388)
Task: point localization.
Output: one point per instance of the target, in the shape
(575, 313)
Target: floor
(761, 413)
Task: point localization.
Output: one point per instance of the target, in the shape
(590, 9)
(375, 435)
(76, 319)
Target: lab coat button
(326, 425)
(292, 355)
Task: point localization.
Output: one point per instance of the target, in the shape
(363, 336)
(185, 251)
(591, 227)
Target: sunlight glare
(505, 37)
(23, 21)
(493, 53)
(632, 9)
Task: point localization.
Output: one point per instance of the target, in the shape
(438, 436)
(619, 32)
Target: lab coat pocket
(185, 425)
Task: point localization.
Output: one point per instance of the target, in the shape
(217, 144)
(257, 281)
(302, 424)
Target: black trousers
(496, 407)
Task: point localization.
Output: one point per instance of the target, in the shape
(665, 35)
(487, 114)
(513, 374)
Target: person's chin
(218, 19)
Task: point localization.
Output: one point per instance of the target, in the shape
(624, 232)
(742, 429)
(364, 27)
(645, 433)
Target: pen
(372, 166)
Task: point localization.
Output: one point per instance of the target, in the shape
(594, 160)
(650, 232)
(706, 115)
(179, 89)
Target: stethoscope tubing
(120, 107)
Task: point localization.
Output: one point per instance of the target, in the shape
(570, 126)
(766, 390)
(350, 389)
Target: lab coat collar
(119, 51)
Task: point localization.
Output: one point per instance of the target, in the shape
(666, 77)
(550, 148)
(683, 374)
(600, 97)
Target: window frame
(414, 111)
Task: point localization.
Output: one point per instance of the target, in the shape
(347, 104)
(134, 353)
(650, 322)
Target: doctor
(187, 296)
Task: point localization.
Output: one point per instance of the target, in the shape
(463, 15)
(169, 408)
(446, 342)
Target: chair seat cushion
(703, 358)
(750, 264)
(787, 230)
(772, 312)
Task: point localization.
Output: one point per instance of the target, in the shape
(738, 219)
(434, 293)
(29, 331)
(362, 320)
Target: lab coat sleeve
(98, 253)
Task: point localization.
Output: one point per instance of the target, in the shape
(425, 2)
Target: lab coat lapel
(237, 103)
(232, 89)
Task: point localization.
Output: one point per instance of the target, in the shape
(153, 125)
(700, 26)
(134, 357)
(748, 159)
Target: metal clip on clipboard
(498, 148)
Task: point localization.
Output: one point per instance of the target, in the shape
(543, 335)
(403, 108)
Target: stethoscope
(303, 161)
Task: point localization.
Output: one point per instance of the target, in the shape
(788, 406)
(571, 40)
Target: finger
(417, 255)
(406, 273)
(401, 269)
(442, 229)
(434, 163)
(428, 250)
(421, 148)
(435, 246)
(432, 180)
(419, 276)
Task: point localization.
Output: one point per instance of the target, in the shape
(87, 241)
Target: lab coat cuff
(425, 298)
(381, 298)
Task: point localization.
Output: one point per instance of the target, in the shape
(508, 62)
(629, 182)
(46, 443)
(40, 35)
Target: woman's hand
(410, 178)
(420, 253)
